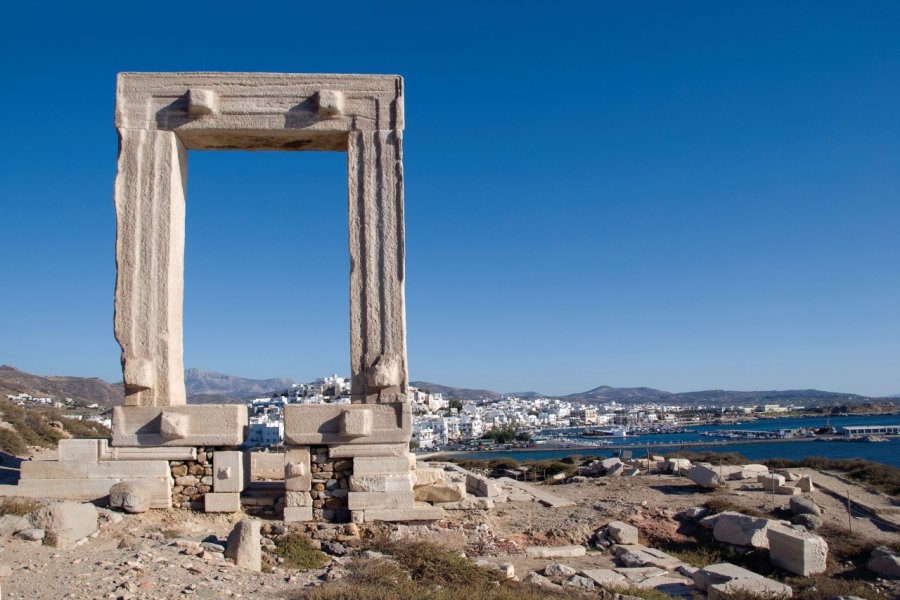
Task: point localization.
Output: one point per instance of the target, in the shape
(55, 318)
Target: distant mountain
(454, 393)
(199, 382)
(605, 393)
(84, 389)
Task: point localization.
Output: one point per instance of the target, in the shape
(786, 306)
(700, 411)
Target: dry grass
(425, 571)
(18, 506)
(722, 503)
(31, 427)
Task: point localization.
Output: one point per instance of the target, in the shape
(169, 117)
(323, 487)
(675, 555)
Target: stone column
(377, 267)
(149, 199)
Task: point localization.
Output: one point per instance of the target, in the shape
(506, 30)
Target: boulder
(798, 552)
(539, 580)
(13, 524)
(804, 506)
(622, 533)
(130, 496)
(884, 562)
(706, 477)
(678, 466)
(578, 581)
(810, 522)
(32, 535)
(742, 530)
(558, 570)
(609, 463)
(693, 513)
(65, 522)
(243, 546)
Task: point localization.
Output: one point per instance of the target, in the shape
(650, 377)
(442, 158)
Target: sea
(883, 452)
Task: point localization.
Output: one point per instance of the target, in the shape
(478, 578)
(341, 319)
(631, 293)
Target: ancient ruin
(342, 462)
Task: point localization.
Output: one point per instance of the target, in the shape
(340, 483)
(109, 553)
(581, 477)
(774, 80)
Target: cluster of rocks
(330, 486)
(58, 524)
(790, 547)
(192, 479)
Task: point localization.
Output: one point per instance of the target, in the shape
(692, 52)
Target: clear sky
(683, 195)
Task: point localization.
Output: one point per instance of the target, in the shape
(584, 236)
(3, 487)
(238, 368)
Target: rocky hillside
(83, 389)
(199, 382)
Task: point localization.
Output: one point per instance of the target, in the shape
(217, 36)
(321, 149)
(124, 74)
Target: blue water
(883, 452)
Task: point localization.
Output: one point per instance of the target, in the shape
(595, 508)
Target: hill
(199, 382)
(83, 389)
(454, 393)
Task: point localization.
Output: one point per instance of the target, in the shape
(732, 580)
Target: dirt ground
(140, 556)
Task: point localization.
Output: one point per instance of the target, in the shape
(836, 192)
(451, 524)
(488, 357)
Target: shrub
(18, 506)
(717, 504)
(504, 463)
(299, 553)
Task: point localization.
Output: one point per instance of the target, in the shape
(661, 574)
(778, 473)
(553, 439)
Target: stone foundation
(192, 479)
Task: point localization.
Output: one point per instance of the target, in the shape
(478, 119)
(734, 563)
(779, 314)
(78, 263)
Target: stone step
(87, 490)
(107, 469)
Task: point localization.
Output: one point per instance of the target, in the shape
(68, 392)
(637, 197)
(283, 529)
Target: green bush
(299, 553)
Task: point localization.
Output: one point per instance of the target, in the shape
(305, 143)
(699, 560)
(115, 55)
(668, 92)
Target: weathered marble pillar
(377, 267)
(149, 199)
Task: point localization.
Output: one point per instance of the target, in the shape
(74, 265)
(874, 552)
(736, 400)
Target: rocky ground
(178, 553)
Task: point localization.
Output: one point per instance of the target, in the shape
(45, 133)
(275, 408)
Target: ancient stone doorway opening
(266, 263)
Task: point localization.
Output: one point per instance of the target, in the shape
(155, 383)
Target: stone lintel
(420, 512)
(322, 424)
(206, 425)
(261, 111)
(107, 469)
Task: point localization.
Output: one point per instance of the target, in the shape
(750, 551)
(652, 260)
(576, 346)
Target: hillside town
(439, 423)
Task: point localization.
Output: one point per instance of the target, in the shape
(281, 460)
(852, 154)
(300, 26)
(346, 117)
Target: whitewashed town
(439, 423)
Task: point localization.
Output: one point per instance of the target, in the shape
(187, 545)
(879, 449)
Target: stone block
(298, 514)
(742, 530)
(297, 470)
(622, 533)
(324, 424)
(706, 477)
(554, 551)
(469, 503)
(378, 465)
(678, 466)
(441, 492)
(89, 490)
(354, 450)
(755, 587)
(112, 469)
(137, 453)
(720, 573)
(419, 512)
(805, 484)
(771, 481)
(130, 496)
(68, 522)
(429, 476)
(380, 500)
(266, 465)
(787, 490)
(751, 471)
(395, 482)
(231, 471)
(297, 499)
(197, 424)
(357, 423)
(798, 552)
(605, 577)
(222, 502)
(243, 545)
(81, 450)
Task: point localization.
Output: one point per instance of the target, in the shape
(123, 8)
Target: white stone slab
(298, 514)
(297, 470)
(554, 551)
(227, 502)
(799, 552)
(419, 512)
(89, 449)
(297, 499)
(367, 465)
(206, 425)
(231, 471)
(87, 490)
(380, 500)
(324, 424)
(398, 482)
(113, 469)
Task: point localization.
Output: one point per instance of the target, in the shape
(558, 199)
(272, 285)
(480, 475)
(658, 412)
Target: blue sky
(679, 195)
